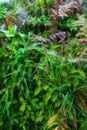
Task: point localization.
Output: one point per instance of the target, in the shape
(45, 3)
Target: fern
(65, 8)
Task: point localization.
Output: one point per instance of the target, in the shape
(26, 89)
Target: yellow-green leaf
(47, 97)
(82, 73)
(45, 87)
(39, 83)
(23, 106)
(52, 121)
(37, 90)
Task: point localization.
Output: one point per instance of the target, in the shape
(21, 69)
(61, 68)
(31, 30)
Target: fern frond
(65, 9)
(81, 21)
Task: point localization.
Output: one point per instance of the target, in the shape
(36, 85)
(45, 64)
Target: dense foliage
(43, 65)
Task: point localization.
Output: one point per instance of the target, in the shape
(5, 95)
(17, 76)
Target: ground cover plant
(43, 65)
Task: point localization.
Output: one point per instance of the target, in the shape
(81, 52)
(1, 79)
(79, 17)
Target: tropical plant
(43, 79)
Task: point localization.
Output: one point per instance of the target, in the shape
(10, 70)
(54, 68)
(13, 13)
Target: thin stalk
(57, 12)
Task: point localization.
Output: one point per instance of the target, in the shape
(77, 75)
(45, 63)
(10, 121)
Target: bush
(41, 85)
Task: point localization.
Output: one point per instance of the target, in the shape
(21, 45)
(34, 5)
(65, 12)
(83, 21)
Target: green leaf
(82, 73)
(23, 106)
(54, 97)
(1, 123)
(52, 121)
(39, 118)
(74, 71)
(21, 35)
(47, 97)
(39, 83)
(75, 82)
(37, 91)
(7, 34)
(55, 47)
(16, 120)
(29, 107)
(83, 125)
(45, 87)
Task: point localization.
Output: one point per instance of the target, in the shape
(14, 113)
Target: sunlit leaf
(23, 106)
(37, 90)
(47, 97)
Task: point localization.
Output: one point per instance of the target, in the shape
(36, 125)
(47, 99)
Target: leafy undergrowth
(43, 66)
